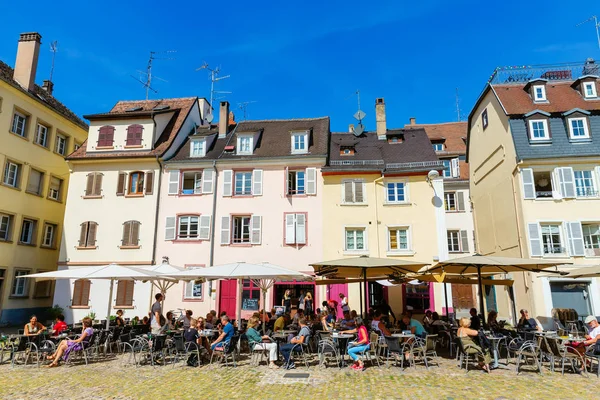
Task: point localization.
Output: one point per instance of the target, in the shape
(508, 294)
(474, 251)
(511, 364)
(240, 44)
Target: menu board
(250, 304)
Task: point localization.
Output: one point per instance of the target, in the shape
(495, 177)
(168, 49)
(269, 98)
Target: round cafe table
(342, 339)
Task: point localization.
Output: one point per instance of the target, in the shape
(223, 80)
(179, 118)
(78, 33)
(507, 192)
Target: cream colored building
(534, 156)
(36, 133)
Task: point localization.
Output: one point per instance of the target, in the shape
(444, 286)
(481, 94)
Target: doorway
(377, 294)
(295, 288)
(227, 297)
(490, 298)
(333, 293)
(2, 274)
(575, 295)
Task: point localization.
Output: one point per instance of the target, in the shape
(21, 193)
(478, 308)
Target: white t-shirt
(595, 332)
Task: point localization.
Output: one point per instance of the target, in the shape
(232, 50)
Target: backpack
(192, 360)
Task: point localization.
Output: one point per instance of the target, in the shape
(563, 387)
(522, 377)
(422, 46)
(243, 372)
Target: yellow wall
(18, 203)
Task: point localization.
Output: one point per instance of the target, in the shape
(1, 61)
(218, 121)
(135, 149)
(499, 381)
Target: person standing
(308, 304)
(301, 300)
(155, 324)
(344, 303)
(287, 300)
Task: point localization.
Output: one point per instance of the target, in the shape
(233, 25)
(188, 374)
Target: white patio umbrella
(111, 271)
(263, 275)
(163, 271)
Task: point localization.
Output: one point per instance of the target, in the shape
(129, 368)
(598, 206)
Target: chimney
(223, 119)
(413, 121)
(351, 128)
(27, 59)
(380, 118)
(48, 86)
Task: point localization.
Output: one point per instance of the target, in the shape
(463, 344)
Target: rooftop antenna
(53, 49)
(458, 116)
(153, 56)
(244, 107)
(596, 24)
(213, 74)
(359, 116)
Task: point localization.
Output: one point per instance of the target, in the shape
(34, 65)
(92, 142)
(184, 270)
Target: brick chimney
(350, 128)
(27, 59)
(48, 86)
(413, 121)
(223, 119)
(380, 118)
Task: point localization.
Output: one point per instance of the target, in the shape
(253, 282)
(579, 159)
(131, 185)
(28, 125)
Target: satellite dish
(210, 118)
(359, 115)
(359, 129)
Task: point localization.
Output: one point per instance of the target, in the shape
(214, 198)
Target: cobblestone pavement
(112, 380)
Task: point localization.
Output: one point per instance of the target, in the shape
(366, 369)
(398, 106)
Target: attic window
(198, 148)
(245, 144)
(395, 139)
(346, 150)
(160, 108)
(438, 146)
(539, 93)
(300, 142)
(132, 109)
(589, 90)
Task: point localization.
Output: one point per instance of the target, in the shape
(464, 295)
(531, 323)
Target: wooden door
(462, 297)
(227, 297)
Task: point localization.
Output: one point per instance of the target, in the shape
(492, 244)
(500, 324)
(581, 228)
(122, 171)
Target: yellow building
(534, 156)
(36, 133)
(379, 201)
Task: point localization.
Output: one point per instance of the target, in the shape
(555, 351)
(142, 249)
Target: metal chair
(257, 353)
(467, 353)
(395, 349)
(592, 356)
(301, 348)
(529, 350)
(565, 353)
(425, 349)
(227, 350)
(325, 348)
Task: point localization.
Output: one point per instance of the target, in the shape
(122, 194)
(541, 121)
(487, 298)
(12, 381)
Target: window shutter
(106, 136)
(207, 180)
(460, 199)
(121, 287)
(77, 286)
(290, 231)
(225, 230)
(126, 240)
(464, 241)
(97, 185)
(135, 233)
(257, 182)
(597, 171)
(170, 228)
(556, 191)
(149, 182)
(121, 184)
(227, 184)
(89, 187)
(567, 182)
(359, 191)
(91, 238)
(575, 233)
(85, 292)
(535, 240)
(129, 293)
(204, 233)
(174, 182)
(198, 183)
(286, 179)
(311, 181)
(348, 198)
(134, 135)
(84, 228)
(455, 168)
(35, 181)
(189, 290)
(256, 229)
(528, 183)
(301, 228)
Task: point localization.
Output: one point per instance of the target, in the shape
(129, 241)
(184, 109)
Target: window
(106, 136)
(6, 222)
(19, 286)
(578, 128)
(12, 174)
(295, 228)
(355, 239)
(296, 182)
(198, 148)
(543, 184)
(353, 192)
(584, 184)
(76, 146)
(539, 93)
(300, 142)
(538, 130)
(48, 240)
(484, 118)
(41, 135)
(131, 234)
(36, 182)
(61, 144)
(250, 295)
(81, 293)
(417, 297)
(192, 182)
(188, 227)
(450, 201)
(28, 231)
(42, 289)
(591, 238)
(395, 192)
(589, 90)
(438, 146)
(136, 183)
(447, 169)
(398, 239)
(552, 239)
(124, 293)
(243, 183)
(55, 189)
(87, 236)
(193, 290)
(19, 124)
(134, 135)
(241, 229)
(245, 145)
(94, 184)
(458, 241)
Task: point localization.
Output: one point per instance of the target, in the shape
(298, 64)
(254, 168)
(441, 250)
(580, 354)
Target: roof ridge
(283, 119)
(151, 100)
(436, 123)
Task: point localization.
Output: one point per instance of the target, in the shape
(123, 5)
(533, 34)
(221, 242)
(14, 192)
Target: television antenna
(154, 55)
(213, 75)
(359, 116)
(244, 107)
(596, 24)
(458, 116)
(54, 50)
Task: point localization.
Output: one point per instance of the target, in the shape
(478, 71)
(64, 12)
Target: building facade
(37, 132)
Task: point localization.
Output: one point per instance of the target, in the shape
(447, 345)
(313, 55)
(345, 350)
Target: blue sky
(301, 59)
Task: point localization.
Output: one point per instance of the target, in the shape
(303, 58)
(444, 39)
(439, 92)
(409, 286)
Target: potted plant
(53, 312)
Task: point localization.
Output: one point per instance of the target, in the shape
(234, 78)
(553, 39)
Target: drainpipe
(160, 171)
(377, 215)
(526, 275)
(211, 255)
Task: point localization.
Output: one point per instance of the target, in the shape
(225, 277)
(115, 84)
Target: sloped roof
(41, 96)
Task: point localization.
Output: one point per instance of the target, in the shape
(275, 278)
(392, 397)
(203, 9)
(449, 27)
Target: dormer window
(198, 148)
(245, 145)
(539, 93)
(346, 150)
(538, 130)
(300, 142)
(438, 146)
(578, 128)
(589, 90)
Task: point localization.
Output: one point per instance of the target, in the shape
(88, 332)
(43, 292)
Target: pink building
(247, 191)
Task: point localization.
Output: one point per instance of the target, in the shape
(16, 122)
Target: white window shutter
(575, 233)
(455, 169)
(174, 182)
(301, 228)
(464, 238)
(198, 183)
(207, 180)
(285, 181)
(567, 182)
(460, 201)
(225, 230)
(535, 240)
(170, 228)
(311, 181)
(257, 182)
(597, 171)
(290, 231)
(256, 229)
(227, 183)
(189, 290)
(556, 184)
(347, 196)
(359, 191)
(204, 233)
(528, 183)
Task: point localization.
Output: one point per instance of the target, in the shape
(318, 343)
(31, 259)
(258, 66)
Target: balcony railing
(360, 163)
(416, 164)
(554, 249)
(540, 194)
(552, 72)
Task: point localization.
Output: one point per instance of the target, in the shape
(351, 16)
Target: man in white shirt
(594, 326)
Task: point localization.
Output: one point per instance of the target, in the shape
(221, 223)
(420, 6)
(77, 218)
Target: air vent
(132, 109)
(160, 108)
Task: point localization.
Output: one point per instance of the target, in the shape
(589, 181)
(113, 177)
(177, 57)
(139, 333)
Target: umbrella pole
(264, 307)
(239, 305)
(110, 295)
(446, 296)
(360, 291)
(481, 306)
(365, 289)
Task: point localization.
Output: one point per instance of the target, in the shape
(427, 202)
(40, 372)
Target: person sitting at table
(261, 342)
(353, 314)
(415, 327)
(299, 314)
(184, 320)
(286, 348)
(145, 320)
(67, 346)
(378, 326)
(119, 318)
(529, 323)
(437, 324)
(475, 320)
(359, 345)
(427, 319)
(59, 326)
(492, 321)
(208, 322)
(466, 334)
(33, 327)
(279, 322)
(225, 335)
(324, 324)
(347, 322)
(190, 334)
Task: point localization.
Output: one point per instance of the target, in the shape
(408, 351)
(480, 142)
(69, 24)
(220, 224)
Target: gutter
(160, 172)
(377, 180)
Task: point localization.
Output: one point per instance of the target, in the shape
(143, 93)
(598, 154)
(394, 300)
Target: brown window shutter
(126, 241)
(129, 293)
(83, 234)
(149, 182)
(89, 187)
(120, 293)
(97, 184)
(134, 135)
(105, 136)
(91, 238)
(77, 286)
(135, 233)
(121, 184)
(85, 292)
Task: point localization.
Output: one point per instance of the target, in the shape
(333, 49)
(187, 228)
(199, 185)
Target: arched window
(136, 183)
(106, 136)
(134, 135)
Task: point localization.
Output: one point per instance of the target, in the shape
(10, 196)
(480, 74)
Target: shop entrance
(295, 288)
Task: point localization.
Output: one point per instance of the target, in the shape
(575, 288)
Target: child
(191, 333)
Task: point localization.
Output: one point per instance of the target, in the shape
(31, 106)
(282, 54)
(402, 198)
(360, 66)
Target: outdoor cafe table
(404, 335)
(495, 342)
(341, 339)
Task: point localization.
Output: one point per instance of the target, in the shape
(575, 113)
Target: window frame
(240, 139)
(189, 223)
(25, 117)
(184, 297)
(40, 191)
(450, 233)
(544, 123)
(196, 190)
(248, 226)
(585, 127)
(32, 234)
(591, 179)
(446, 201)
(304, 140)
(25, 292)
(54, 227)
(10, 218)
(356, 228)
(139, 184)
(542, 97)
(65, 140)
(244, 181)
(201, 142)
(397, 228)
(354, 183)
(17, 176)
(435, 145)
(447, 172)
(43, 284)
(59, 191)
(562, 242)
(591, 241)
(594, 91)
(46, 135)
(395, 182)
(295, 192)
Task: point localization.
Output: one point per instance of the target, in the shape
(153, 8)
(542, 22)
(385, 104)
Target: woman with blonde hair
(466, 334)
(287, 300)
(257, 341)
(308, 304)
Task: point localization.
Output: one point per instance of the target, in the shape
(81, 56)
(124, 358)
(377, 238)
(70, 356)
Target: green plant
(55, 311)
(91, 315)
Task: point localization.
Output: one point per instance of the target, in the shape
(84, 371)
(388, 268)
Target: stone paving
(112, 380)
